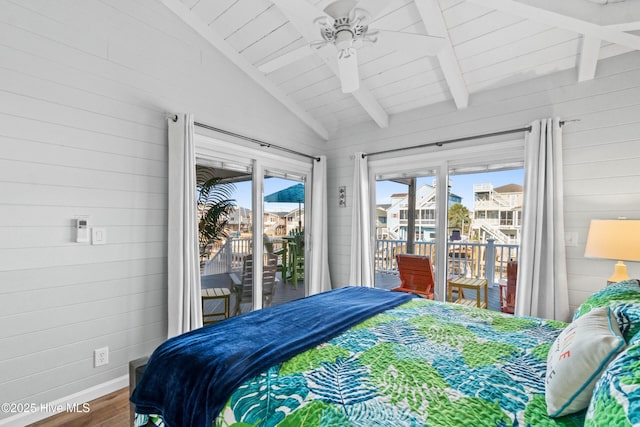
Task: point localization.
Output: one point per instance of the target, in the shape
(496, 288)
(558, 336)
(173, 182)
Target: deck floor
(390, 280)
(286, 291)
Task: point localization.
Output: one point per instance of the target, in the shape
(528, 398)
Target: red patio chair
(416, 275)
(508, 290)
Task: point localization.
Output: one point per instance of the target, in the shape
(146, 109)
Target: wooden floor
(111, 410)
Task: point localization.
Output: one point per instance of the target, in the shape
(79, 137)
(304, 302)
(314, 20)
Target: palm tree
(458, 216)
(214, 206)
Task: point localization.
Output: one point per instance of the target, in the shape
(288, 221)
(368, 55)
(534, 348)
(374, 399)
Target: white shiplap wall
(601, 153)
(84, 87)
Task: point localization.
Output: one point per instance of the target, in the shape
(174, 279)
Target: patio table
(469, 283)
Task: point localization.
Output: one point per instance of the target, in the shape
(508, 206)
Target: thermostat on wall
(82, 230)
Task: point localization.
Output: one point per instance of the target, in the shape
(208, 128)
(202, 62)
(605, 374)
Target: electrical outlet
(100, 356)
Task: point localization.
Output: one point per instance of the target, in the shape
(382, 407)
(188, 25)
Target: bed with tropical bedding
(368, 357)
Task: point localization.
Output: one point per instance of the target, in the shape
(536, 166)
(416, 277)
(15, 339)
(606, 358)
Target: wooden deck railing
(469, 259)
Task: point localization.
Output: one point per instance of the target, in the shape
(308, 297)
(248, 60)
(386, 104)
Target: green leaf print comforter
(423, 363)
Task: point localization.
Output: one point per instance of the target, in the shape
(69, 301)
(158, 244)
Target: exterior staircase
(493, 231)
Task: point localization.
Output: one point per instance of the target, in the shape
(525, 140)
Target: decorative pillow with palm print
(624, 299)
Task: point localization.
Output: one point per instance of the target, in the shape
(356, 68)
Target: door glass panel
(283, 225)
(484, 225)
(402, 229)
(225, 235)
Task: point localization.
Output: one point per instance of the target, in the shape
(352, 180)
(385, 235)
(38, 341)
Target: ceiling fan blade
(431, 45)
(348, 70)
(302, 15)
(340, 8)
(345, 68)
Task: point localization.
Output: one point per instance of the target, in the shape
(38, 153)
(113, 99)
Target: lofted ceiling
(486, 44)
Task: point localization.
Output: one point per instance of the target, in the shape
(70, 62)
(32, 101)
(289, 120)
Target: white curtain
(183, 270)
(542, 274)
(361, 269)
(320, 280)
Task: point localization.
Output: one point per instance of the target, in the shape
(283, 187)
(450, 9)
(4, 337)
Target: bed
(370, 357)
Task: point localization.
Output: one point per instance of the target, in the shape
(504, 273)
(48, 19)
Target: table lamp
(617, 239)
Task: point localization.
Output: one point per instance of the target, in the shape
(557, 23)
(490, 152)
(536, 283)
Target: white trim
(473, 153)
(208, 147)
(79, 398)
(442, 211)
(257, 206)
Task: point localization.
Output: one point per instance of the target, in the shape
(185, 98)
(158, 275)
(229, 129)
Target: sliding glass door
(260, 252)
(460, 207)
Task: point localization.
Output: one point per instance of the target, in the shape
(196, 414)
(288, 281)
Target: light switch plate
(571, 238)
(98, 236)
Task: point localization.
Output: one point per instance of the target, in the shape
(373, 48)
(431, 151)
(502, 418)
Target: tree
(458, 216)
(214, 206)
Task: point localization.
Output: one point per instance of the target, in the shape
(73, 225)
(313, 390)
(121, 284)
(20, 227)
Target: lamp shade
(617, 239)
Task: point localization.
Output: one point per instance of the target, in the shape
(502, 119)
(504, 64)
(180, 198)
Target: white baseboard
(75, 400)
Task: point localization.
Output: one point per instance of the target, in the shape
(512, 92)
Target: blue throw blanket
(189, 378)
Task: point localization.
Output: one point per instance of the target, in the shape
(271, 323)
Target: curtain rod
(174, 117)
(464, 138)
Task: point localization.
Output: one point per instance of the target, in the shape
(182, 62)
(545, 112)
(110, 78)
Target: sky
(462, 185)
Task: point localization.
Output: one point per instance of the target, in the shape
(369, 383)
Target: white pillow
(577, 358)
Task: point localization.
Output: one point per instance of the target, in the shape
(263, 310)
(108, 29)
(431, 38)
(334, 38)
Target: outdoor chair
(296, 258)
(416, 275)
(242, 286)
(508, 290)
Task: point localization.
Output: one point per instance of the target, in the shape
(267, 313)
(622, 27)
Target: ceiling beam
(628, 26)
(566, 22)
(431, 15)
(364, 97)
(588, 58)
(297, 12)
(184, 13)
(590, 51)
(590, 11)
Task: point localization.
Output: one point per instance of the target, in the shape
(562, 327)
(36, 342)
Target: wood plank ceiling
(489, 43)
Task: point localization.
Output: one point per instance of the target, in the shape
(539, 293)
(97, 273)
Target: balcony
(464, 258)
(468, 259)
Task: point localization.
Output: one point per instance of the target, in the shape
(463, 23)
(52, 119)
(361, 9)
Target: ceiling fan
(344, 28)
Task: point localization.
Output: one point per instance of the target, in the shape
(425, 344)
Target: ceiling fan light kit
(344, 26)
